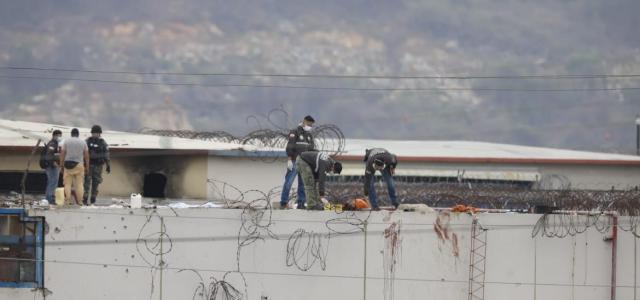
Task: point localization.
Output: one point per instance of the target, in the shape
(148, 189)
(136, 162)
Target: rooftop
(482, 152)
(19, 134)
(23, 135)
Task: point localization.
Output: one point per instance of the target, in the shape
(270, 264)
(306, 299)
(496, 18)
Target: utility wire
(488, 131)
(330, 76)
(192, 84)
(83, 211)
(437, 280)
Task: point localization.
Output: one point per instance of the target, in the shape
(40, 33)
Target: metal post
(23, 182)
(161, 253)
(635, 268)
(477, 260)
(638, 134)
(637, 139)
(364, 285)
(614, 256)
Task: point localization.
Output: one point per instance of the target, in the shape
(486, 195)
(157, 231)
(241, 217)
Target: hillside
(404, 37)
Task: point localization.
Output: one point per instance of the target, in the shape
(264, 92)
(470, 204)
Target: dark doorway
(154, 185)
(10, 181)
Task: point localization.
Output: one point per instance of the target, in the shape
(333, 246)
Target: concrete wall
(266, 175)
(12, 161)
(550, 176)
(592, 177)
(246, 174)
(186, 174)
(142, 254)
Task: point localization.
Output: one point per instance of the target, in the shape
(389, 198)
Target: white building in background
(179, 168)
(215, 253)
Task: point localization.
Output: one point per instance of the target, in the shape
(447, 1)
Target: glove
(108, 169)
(289, 165)
(324, 200)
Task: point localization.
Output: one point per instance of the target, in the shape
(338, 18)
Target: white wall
(246, 173)
(266, 175)
(101, 254)
(596, 177)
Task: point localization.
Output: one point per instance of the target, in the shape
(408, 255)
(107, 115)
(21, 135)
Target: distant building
(544, 168)
(215, 253)
(179, 168)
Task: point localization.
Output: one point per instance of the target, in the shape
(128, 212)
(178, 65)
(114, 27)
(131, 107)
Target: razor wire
(492, 195)
(268, 141)
(596, 205)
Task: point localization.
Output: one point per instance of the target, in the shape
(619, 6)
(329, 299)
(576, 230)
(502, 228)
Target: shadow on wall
(12, 181)
(155, 175)
(154, 185)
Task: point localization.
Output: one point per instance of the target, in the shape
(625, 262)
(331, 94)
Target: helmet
(337, 167)
(96, 129)
(309, 118)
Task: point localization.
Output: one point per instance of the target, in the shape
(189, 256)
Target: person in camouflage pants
(313, 167)
(99, 156)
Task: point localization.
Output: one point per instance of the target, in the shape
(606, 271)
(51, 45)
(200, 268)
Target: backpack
(47, 160)
(44, 162)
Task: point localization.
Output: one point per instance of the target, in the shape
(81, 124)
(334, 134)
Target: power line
(338, 215)
(192, 84)
(330, 76)
(435, 280)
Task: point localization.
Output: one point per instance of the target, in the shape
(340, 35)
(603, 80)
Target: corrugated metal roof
(464, 151)
(512, 175)
(26, 134)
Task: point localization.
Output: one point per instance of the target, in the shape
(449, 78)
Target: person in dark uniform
(52, 168)
(313, 167)
(98, 156)
(300, 140)
(378, 159)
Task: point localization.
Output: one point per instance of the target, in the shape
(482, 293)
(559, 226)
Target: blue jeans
(289, 177)
(373, 198)
(53, 173)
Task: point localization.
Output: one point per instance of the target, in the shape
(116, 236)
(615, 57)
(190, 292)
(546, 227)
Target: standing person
(313, 167)
(98, 156)
(52, 165)
(300, 140)
(74, 156)
(379, 159)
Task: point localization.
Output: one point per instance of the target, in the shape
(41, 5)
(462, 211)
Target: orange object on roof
(464, 208)
(361, 203)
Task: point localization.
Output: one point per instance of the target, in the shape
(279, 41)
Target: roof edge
(498, 160)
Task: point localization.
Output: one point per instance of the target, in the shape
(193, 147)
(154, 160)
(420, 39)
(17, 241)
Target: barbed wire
(269, 140)
(304, 248)
(214, 288)
(150, 246)
(447, 192)
(518, 197)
